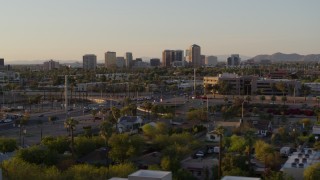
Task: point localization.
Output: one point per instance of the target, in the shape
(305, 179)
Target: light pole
(242, 110)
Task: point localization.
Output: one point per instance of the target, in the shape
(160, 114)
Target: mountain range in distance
(281, 57)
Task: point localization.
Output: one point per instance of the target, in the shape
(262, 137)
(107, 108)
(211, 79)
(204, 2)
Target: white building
(50, 65)
(211, 61)
(110, 59)
(89, 62)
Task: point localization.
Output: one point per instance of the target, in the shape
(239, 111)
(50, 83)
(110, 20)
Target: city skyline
(67, 30)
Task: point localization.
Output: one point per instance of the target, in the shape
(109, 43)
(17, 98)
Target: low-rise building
(130, 124)
(147, 175)
(299, 161)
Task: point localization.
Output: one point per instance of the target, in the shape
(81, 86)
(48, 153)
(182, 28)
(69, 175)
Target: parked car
(200, 154)
(7, 120)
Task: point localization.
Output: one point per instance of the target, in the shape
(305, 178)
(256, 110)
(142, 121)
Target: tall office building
(50, 65)
(128, 59)
(1, 63)
(167, 58)
(211, 61)
(172, 58)
(121, 63)
(89, 62)
(110, 59)
(178, 55)
(195, 55)
(154, 62)
(233, 60)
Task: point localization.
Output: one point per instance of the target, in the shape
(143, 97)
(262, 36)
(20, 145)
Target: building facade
(89, 62)
(1, 63)
(155, 62)
(121, 62)
(251, 85)
(128, 59)
(211, 61)
(50, 65)
(233, 60)
(195, 56)
(110, 59)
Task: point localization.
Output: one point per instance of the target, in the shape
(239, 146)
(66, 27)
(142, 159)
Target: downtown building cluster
(191, 57)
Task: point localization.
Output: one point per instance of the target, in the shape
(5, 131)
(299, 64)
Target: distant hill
(278, 57)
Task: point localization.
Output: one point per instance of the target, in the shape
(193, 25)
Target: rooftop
(302, 159)
(145, 174)
(239, 178)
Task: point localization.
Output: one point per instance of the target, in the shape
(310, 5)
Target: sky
(67, 29)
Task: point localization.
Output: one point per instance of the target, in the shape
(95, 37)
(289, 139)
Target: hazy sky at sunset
(68, 29)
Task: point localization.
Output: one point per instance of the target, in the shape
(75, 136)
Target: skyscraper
(50, 65)
(121, 63)
(211, 61)
(1, 62)
(154, 62)
(89, 62)
(110, 59)
(195, 55)
(167, 58)
(172, 58)
(128, 58)
(233, 60)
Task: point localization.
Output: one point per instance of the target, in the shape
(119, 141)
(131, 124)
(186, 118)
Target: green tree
(115, 115)
(274, 175)
(281, 86)
(59, 144)
(220, 132)
(84, 145)
(85, 171)
(106, 130)
(121, 170)
(238, 144)
(38, 155)
(262, 99)
(124, 146)
(71, 124)
(306, 90)
(265, 153)
(312, 172)
(7, 144)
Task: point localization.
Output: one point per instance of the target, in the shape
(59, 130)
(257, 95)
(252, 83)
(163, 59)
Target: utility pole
(194, 82)
(66, 94)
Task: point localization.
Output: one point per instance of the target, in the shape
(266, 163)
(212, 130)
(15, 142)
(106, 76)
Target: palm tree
(219, 131)
(306, 90)
(115, 115)
(71, 124)
(106, 129)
